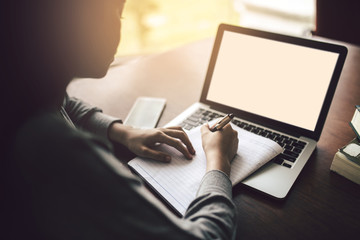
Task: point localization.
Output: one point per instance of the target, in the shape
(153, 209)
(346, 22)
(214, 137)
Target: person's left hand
(142, 141)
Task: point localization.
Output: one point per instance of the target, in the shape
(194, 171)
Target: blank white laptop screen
(277, 80)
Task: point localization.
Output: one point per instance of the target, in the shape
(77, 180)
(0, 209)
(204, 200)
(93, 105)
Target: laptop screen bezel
(276, 125)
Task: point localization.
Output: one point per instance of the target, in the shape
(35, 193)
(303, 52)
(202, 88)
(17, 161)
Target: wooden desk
(321, 204)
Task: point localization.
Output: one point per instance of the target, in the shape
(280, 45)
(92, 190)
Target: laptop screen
(273, 79)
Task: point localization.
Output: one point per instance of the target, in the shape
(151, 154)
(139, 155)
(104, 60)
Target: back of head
(46, 42)
(22, 51)
(17, 19)
(27, 49)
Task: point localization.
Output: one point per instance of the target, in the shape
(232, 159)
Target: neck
(52, 91)
(40, 92)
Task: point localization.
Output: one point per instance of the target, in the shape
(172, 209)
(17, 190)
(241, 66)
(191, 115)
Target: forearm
(119, 133)
(211, 215)
(215, 161)
(87, 117)
(213, 209)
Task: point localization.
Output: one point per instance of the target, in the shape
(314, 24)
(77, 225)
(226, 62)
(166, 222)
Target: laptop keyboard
(292, 146)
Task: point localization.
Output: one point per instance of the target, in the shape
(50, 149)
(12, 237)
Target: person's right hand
(220, 147)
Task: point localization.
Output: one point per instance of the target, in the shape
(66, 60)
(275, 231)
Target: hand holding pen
(222, 122)
(220, 147)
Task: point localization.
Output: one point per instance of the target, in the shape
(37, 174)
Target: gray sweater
(75, 188)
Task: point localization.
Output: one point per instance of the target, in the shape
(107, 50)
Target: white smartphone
(146, 112)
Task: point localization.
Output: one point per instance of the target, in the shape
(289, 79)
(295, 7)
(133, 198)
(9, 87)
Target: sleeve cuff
(215, 181)
(99, 123)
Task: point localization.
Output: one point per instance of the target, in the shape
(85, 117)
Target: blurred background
(150, 26)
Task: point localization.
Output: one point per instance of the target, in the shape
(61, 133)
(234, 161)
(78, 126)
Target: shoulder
(47, 138)
(45, 131)
(47, 144)
(62, 174)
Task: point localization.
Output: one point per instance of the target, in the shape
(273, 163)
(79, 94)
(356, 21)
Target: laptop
(277, 86)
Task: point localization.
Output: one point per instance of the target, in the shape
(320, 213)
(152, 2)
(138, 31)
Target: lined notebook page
(178, 181)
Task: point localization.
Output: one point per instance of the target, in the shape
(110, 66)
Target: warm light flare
(157, 25)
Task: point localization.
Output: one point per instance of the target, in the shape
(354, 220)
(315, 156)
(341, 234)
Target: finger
(175, 128)
(180, 134)
(227, 127)
(205, 128)
(156, 155)
(164, 138)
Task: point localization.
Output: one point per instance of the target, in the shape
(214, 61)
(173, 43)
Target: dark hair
(21, 52)
(22, 55)
(14, 22)
(20, 97)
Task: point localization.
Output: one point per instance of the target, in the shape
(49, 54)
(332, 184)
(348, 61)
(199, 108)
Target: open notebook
(177, 182)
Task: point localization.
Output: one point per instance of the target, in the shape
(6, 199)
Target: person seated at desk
(61, 178)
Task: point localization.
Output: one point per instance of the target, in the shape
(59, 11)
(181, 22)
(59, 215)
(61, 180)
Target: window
(157, 25)
(294, 17)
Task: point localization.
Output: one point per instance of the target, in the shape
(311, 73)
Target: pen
(222, 122)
